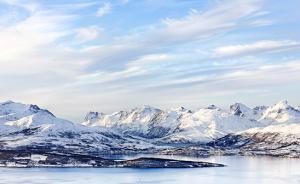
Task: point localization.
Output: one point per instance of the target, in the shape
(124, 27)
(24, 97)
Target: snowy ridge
(202, 125)
(281, 112)
(28, 125)
(284, 129)
(279, 135)
(150, 129)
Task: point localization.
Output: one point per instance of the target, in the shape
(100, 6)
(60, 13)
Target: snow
(281, 112)
(205, 124)
(142, 128)
(286, 129)
(37, 157)
(23, 125)
(240, 109)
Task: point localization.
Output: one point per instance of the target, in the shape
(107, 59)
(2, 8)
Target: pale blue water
(244, 170)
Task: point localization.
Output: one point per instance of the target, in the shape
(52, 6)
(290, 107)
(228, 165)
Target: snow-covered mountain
(273, 140)
(183, 125)
(281, 112)
(279, 134)
(28, 126)
(148, 129)
(17, 116)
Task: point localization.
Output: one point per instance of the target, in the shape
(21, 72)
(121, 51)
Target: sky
(76, 56)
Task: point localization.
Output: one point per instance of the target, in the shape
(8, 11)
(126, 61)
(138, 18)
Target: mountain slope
(273, 140)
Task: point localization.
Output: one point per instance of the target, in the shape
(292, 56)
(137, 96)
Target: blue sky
(75, 56)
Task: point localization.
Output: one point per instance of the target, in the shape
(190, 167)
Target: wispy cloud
(89, 33)
(257, 47)
(29, 5)
(224, 16)
(149, 53)
(124, 1)
(103, 10)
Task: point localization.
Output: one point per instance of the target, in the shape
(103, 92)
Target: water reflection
(246, 170)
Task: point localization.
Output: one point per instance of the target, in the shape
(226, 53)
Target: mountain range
(239, 130)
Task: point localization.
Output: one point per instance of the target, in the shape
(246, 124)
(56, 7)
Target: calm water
(246, 170)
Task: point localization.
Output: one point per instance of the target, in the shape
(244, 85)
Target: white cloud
(232, 78)
(261, 22)
(89, 33)
(124, 1)
(103, 10)
(28, 5)
(257, 47)
(38, 59)
(41, 28)
(224, 16)
(73, 6)
(32, 58)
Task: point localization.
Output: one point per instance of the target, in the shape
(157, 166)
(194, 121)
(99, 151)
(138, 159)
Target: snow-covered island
(34, 137)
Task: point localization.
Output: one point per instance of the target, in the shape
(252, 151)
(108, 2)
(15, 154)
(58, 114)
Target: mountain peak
(7, 102)
(181, 109)
(92, 115)
(282, 112)
(239, 109)
(283, 104)
(212, 106)
(34, 108)
(11, 107)
(146, 109)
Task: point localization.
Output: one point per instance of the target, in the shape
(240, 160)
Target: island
(21, 159)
